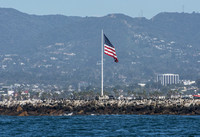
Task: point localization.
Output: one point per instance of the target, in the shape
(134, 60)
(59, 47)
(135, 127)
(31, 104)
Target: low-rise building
(168, 79)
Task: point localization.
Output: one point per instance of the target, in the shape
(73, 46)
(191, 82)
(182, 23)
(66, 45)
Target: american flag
(109, 49)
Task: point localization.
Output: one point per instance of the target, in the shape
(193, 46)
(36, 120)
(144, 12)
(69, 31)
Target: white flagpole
(102, 43)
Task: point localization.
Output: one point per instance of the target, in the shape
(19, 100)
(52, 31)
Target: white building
(168, 79)
(10, 93)
(188, 82)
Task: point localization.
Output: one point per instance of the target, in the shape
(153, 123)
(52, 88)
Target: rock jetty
(100, 107)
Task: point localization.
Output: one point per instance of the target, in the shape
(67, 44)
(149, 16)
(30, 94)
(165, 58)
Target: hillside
(63, 50)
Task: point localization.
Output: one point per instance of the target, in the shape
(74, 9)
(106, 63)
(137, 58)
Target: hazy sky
(133, 8)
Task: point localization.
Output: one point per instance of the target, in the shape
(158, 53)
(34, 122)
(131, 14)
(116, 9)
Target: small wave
(122, 130)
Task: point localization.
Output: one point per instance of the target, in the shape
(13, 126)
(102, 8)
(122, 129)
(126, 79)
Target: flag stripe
(111, 55)
(108, 47)
(109, 52)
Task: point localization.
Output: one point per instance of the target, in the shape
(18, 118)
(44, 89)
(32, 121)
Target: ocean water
(102, 125)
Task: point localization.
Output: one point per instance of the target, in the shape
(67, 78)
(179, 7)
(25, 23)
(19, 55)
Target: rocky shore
(100, 107)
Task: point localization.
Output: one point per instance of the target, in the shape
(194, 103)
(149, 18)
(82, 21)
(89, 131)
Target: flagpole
(102, 42)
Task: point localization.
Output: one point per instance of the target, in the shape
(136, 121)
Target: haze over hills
(57, 49)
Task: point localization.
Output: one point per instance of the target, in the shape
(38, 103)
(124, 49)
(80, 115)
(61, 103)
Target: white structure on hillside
(188, 82)
(10, 93)
(168, 79)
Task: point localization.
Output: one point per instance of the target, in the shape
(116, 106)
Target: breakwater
(100, 107)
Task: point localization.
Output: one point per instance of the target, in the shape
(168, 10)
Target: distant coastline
(100, 107)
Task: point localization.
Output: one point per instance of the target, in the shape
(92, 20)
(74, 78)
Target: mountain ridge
(66, 49)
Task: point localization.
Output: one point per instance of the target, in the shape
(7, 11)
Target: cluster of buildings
(6, 92)
(169, 79)
(26, 91)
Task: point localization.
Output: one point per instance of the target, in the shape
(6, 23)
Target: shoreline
(100, 107)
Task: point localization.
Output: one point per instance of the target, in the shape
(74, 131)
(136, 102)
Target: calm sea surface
(103, 125)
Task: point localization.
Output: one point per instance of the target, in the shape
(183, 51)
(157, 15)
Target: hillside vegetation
(66, 50)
